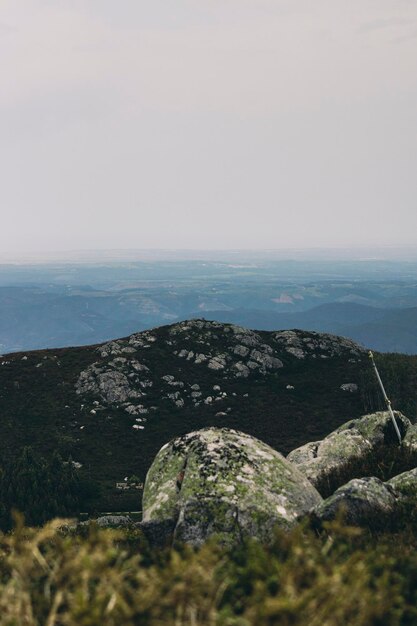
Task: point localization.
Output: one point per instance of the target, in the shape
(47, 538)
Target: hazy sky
(207, 123)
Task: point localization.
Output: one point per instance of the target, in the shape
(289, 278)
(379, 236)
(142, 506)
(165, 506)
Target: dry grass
(107, 578)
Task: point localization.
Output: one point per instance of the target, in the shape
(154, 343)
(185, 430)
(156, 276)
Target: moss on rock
(223, 482)
(410, 439)
(363, 502)
(356, 439)
(377, 427)
(405, 484)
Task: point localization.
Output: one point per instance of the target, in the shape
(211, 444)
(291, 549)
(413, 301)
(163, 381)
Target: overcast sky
(207, 123)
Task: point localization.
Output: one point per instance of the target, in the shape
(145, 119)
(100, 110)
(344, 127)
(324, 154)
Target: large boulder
(405, 485)
(355, 439)
(410, 439)
(317, 460)
(225, 483)
(366, 502)
(377, 428)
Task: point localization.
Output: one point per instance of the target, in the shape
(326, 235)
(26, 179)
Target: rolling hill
(112, 406)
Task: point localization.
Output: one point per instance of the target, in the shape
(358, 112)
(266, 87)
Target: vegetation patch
(42, 488)
(342, 577)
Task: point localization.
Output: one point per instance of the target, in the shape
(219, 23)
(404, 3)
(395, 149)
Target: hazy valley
(56, 305)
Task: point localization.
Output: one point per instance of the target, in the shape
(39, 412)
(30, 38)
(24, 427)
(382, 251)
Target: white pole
(387, 401)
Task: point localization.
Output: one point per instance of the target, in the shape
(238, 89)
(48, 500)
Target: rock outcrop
(113, 521)
(405, 485)
(369, 502)
(355, 439)
(410, 439)
(362, 502)
(377, 428)
(125, 371)
(316, 345)
(225, 483)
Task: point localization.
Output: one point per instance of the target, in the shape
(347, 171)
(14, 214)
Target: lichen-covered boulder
(366, 502)
(225, 483)
(410, 438)
(318, 459)
(354, 439)
(377, 428)
(405, 484)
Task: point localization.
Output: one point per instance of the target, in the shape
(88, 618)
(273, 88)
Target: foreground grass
(109, 578)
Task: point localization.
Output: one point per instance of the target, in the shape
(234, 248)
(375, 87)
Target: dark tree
(40, 489)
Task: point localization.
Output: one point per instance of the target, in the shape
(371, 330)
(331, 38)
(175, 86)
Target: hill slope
(112, 406)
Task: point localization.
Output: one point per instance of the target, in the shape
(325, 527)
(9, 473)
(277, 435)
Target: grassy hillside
(138, 393)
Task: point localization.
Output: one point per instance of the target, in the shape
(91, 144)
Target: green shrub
(112, 578)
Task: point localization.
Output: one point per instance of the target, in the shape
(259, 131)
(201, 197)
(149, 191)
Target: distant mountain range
(51, 306)
(392, 330)
(33, 319)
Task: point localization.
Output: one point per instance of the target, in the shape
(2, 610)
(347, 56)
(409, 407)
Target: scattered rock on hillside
(350, 387)
(114, 521)
(322, 345)
(354, 439)
(222, 482)
(179, 367)
(110, 385)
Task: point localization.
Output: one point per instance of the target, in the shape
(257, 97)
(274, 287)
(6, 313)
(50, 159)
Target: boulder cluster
(222, 482)
(356, 439)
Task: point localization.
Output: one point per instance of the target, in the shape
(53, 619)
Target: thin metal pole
(387, 400)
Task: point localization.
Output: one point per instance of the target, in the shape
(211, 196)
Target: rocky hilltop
(111, 406)
(222, 352)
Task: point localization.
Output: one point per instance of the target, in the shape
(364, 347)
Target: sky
(207, 124)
